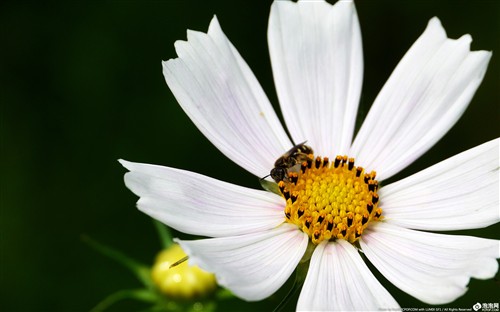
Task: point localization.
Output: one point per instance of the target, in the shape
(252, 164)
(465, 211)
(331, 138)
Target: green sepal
(270, 186)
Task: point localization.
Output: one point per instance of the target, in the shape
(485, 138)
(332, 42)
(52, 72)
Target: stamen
(316, 234)
(307, 223)
(309, 161)
(367, 178)
(351, 163)
(329, 227)
(359, 171)
(325, 161)
(349, 219)
(300, 213)
(321, 218)
(365, 218)
(293, 197)
(303, 166)
(281, 186)
(369, 207)
(318, 162)
(286, 194)
(371, 185)
(337, 161)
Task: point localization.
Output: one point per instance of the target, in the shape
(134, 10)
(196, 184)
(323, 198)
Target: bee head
(278, 174)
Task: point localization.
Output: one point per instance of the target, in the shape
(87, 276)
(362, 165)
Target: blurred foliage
(81, 86)
(169, 285)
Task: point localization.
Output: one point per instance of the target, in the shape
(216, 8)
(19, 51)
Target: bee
(295, 156)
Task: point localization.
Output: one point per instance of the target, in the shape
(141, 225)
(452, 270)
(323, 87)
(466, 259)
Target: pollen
(331, 200)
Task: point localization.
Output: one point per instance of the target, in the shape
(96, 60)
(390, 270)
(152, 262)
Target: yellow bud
(182, 281)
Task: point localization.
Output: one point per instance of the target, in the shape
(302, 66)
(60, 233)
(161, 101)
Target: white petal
(434, 268)
(426, 94)
(252, 266)
(220, 94)
(199, 205)
(461, 192)
(339, 280)
(317, 60)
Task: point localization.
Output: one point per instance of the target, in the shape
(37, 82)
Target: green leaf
(141, 271)
(164, 234)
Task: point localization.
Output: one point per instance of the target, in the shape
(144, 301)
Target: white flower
(316, 56)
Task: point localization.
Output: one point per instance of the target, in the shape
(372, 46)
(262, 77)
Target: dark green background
(81, 86)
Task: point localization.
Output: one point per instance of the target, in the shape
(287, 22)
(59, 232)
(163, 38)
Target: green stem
(300, 276)
(136, 294)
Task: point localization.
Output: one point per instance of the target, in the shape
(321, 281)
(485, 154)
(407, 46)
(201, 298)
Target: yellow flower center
(331, 201)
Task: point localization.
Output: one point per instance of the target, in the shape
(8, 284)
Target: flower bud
(181, 281)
